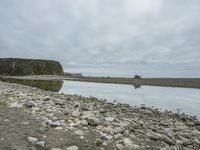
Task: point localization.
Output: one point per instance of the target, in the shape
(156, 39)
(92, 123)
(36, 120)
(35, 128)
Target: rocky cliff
(18, 67)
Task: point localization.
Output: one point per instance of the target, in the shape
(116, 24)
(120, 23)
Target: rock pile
(116, 126)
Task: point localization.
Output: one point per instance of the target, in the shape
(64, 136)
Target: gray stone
(119, 146)
(84, 122)
(72, 148)
(109, 119)
(55, 124)
(46, 98)
(169, 133)
(33, 140)
(56, 149)
(197, 141)
(132, 147)
(79, 132)
(41, 144)
(75, 113)
(93, 121)
(84, 107)
(30, 104)
(127, 141)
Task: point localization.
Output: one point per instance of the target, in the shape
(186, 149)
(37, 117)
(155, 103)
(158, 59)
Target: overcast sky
(105, 37)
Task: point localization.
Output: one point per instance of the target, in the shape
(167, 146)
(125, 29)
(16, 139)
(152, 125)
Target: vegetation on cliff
(18, 67)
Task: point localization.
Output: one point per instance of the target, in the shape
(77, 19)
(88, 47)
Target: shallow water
(174, 99)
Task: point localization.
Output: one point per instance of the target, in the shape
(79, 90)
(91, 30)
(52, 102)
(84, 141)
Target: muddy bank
(69, 122)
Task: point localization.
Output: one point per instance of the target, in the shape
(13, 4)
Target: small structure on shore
(73, 74)
(137, 77)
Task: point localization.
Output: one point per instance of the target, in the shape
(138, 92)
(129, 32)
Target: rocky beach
(34, 119)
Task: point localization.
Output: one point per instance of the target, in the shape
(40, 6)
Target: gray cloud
(154, 38)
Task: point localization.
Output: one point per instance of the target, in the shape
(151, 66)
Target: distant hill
(19, 67)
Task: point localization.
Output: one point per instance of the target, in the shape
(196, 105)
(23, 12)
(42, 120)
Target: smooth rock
(127, 141)
(84, 122)
(30, 104)
(56, 149)
(119, 146)
(79, 132)
(109, 119)
(32, 139)
(58, 128)
(41, 143)
(55, 124)
(132, 147)
(72, 148)
(93, 121)
(75, 113)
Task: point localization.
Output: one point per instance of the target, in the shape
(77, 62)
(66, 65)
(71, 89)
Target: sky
(153, 38)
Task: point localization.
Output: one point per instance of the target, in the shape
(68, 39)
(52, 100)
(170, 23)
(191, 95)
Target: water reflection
(137, 86)
(47, 85)
(174, 99)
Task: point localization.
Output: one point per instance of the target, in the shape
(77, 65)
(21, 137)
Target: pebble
(79, 132)
(58, 128)
(41, 143)
(84, 123)
(75, 113)
(56, 149)
(55, 124)
(119, 146)
(72, 148)
(93, 121)
(30, 104)
(32, 139)
(127, 141)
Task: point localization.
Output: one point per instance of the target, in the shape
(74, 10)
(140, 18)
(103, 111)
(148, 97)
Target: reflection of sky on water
(188, 100)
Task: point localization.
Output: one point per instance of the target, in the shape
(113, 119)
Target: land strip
(166, 82)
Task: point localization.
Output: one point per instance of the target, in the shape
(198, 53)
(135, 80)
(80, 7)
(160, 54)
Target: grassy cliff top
(19, 66)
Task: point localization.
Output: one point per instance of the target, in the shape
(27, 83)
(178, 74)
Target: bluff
(19, 67)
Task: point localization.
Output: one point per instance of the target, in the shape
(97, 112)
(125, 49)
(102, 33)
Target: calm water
(185, 99)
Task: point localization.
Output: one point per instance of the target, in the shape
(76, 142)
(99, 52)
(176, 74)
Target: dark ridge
(19, 67)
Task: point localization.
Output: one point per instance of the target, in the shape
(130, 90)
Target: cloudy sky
(157, 38)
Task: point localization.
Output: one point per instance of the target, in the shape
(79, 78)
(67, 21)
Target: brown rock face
(19, 67)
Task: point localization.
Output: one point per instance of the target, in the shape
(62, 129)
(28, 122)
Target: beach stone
(119, 146)
(132, 147)
(32, 139)
(55, 124)
(127, 141)
(30, 104)
(41, 143)
(84, 122)
(109, 119)
(93, 121)
(66, 112)
(76, 104)
(46, 98)
(197, 141)
(56, 149)
(79, 132)
(72, 148)
(84, 107)
(169, 133)
(76, 113)
(58, 128)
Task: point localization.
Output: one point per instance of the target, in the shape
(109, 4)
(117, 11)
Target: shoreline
(95, 122)
(163, 82)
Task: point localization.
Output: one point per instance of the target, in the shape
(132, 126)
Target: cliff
(18, 67)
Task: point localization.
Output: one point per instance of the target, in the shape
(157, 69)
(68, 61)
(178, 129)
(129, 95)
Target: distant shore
(166, 82)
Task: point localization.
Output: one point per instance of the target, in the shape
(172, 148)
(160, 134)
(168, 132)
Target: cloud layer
(115, 37)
